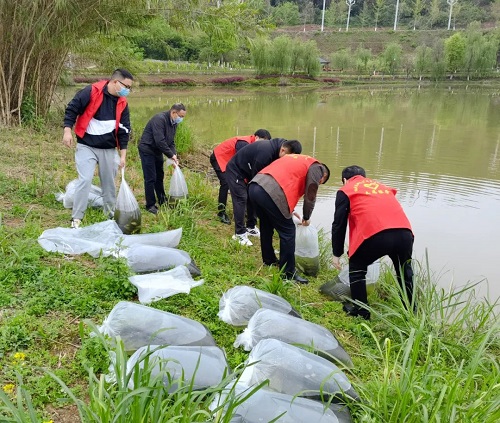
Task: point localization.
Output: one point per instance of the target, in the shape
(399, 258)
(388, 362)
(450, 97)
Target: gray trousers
(86, 159)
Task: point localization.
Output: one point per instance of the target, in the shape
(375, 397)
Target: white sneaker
(75, 223)
(253, 231)
(242, 239)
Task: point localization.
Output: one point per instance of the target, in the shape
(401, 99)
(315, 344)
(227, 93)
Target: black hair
(263, 133)
(351, 171)
(293, 146)
(327, 171)
(121, 74)
(178, 107)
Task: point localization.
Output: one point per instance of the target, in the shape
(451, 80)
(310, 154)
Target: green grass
(439, 365)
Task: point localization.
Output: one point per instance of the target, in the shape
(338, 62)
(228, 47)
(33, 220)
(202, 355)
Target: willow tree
(36, 36)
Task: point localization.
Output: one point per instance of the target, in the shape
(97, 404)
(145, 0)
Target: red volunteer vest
(227, 149)
(290, 173)
(373, 208)
(96, 97)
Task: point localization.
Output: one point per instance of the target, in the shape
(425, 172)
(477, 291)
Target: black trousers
(239, 196)
(224, 188)
(152, 169)
(271, 218)
(395, 243)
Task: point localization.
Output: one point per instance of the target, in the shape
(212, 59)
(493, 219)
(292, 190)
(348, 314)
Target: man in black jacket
(100, 118)
(158, 139)
(240, 170)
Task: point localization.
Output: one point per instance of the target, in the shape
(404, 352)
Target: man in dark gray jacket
(158, 139)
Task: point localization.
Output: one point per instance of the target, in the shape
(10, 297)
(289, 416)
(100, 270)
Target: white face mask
(178, 120)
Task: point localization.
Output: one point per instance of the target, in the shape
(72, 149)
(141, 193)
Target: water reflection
(439, 148)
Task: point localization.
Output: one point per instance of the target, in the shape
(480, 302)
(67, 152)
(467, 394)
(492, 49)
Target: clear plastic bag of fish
(139, 325)
(307, 249)
(178, 187)
(266, 324)
(68, 197)
(97, 239)
(150, 258)
(264, 405)
(198, 366)
(155, 286)
(294, 371)
(127, 211)
(103, 238)
(158, 239)
(237, 305)
(339, 288)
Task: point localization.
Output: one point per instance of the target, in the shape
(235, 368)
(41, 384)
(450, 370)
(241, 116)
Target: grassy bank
(438, 365)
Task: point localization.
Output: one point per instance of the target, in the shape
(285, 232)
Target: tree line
(375, 14)
(469, 54)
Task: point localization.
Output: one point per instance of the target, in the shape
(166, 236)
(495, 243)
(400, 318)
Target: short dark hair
(327, 171)
(178, 107)
(121, 74)
(263, 133)
(293, 146)
(351, 171)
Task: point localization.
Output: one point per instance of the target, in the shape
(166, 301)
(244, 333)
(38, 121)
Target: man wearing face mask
(101, 120)
(158, 139)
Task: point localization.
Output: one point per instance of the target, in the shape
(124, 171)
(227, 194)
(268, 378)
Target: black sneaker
(224, 218)
(153, 209)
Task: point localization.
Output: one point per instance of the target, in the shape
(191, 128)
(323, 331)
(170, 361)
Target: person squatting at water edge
(240, 170)
(274, 193)
(221, 155)
(158, 139)
(101, 120)
(378, 226)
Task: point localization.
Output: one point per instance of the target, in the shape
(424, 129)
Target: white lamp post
(451, 3)
(323, 16)
(349, 3)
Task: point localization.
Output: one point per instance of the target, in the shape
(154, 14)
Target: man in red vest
(378, 226)
(274, 193)
(101, 120)
(220, 157)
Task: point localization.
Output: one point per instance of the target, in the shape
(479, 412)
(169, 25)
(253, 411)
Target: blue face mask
(123, 92)
(178, 120)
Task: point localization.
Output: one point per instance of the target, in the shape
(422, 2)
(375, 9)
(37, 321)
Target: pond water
(440, 148)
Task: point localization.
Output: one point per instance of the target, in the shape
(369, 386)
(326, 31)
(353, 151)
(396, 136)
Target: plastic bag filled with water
(237, 305)
(265, 405)
(266, 324)
(67, 198)
(198, 366)
(149, 258)
(155, 286)
(307, 250)
(127, 211)
(138, 325)
(178, 187)
(339, 288)
(294, 371)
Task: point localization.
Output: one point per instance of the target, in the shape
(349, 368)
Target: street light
(451, 3)
(396, 15)
(323, 16)
(349, 3)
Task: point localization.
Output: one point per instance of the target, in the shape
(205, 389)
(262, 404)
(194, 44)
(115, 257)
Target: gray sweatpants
(86, 159)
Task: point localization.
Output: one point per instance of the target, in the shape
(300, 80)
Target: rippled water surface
(439, 147)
